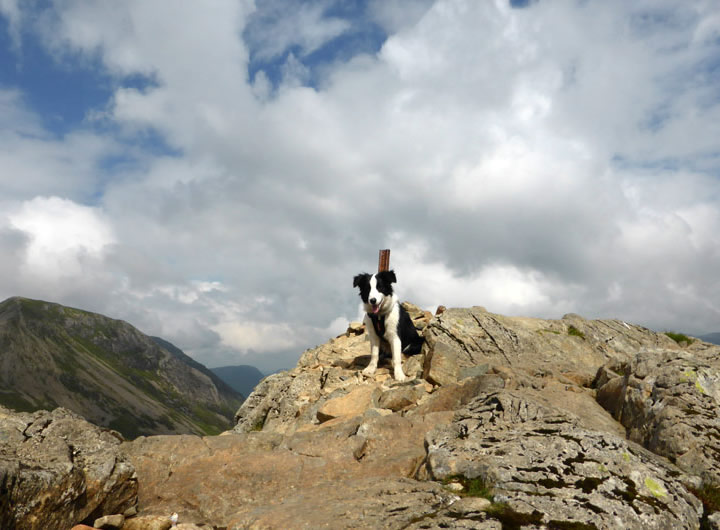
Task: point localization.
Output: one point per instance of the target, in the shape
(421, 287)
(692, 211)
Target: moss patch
(655, 488)
(575, 332)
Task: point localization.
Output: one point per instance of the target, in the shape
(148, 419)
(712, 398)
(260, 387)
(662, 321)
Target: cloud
(537, 161)
(60, 235)
(396, 15)
(10, 9)
(278, 25)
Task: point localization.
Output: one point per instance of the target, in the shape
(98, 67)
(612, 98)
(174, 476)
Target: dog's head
(375, 289)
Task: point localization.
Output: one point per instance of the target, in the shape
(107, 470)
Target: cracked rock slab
(264, 478)
(543, 468)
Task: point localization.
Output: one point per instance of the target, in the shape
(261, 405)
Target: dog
(386, 320)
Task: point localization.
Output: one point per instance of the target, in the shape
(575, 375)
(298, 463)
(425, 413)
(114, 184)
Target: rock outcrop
(56, 470)
(541, 467)
(504, 423)
(668, 402)
(500, 428)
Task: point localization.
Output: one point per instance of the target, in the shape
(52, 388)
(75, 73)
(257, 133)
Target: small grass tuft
(472, 487)
(680, 338)
(709, 495)
(575, 332)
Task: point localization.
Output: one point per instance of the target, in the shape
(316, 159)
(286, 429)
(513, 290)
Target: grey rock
(474, 371)
(148, 522)
(110, 522)
(401, 397)
(442, 363)
(543, 467)
(669, 401)
(714, 521)
(476, 337)
(56, 470)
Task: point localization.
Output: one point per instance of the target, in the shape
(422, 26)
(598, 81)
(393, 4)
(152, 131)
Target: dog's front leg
(396, 347)
(374, 351)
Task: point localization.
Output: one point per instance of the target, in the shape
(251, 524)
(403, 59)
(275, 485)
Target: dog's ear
(388, 276)
(360, 279)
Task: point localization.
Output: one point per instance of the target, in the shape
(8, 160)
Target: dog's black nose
(373, 301)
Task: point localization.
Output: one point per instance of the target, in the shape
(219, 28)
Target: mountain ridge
(105, 370)
(712, 338)
(242, 378)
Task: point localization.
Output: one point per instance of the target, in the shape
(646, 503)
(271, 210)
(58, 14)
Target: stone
(473, 371)
(611, 393)
(148, 522)
(453, 396)
(468, 506)
(57, 470)
(355, 403)
(356, 328)
(441, 365)
(420, 317)
(401, 397)
(110, 522)
(278, 400)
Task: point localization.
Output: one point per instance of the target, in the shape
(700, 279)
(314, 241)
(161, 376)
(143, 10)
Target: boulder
(539, 466)
(57, 470)
(669, 401)
(278, 400)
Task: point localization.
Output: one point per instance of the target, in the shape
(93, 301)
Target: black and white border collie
(386, 320)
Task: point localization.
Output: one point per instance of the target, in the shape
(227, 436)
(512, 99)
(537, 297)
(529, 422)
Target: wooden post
(384, 260)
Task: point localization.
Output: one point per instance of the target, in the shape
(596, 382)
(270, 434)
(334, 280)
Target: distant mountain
(241, 378)
(713, 338)
(107, 371)
(182, 356)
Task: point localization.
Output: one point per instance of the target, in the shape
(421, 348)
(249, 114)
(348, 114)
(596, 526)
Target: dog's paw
(400, 376)
(370, 370)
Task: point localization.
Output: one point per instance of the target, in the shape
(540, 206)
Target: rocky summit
(107, 371)
(505, 422)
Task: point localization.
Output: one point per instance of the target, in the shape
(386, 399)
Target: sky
(215, 173)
